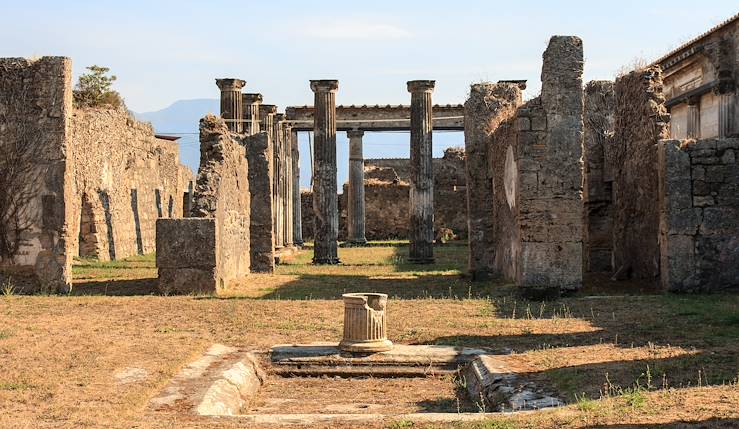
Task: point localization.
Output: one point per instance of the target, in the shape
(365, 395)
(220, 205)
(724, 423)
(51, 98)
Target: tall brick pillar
(325, 205)
(231, 102)
(251, 104)
(421, 228)
(355, 200)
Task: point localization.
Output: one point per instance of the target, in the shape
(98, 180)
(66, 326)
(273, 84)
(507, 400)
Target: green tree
(94, 89)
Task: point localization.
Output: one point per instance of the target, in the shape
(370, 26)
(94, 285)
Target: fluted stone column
(287, 178)
(231, 102)
(251, 113)
(421, 228)
(279, 181)
(266, 117)
(355, 200)
(297, 221)
(325, 205)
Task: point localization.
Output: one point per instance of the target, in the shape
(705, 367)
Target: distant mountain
(182, 117)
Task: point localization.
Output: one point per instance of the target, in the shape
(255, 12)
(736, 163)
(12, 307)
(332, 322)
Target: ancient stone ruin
(636, 178)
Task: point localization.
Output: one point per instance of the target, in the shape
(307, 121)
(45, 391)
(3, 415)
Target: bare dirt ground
(94, 359)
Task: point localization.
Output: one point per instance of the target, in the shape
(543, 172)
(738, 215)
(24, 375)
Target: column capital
(279, 117)
(229, 84)
(352, 134)
(267, 109)
(325, 85)
(252, 98)
(421, 85)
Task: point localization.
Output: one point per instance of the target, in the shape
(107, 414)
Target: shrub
(94, 89)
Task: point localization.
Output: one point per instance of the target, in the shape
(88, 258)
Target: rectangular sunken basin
(314, 383)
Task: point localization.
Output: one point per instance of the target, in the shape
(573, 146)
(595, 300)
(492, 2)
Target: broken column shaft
(231, 102)
(325, 205)
(279, 158)
(355, 200)
(287, 186)
(421, 228)
(251, 113)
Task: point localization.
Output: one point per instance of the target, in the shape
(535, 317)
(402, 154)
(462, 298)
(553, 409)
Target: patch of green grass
(4, 335)
(15, 386)
(568, 381)
(401, 424)
(494, 424)
(584, 403)
(713, 316)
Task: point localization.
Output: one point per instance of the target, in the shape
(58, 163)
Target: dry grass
(622, 361)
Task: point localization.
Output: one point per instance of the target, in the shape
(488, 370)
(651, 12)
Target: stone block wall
(641, 121)
(125, 180)
(35, 110)
(187, 255)
(699, 214)
(536, 168)
(598, 120)
(222, 193)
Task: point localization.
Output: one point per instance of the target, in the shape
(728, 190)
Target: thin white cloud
(347, 29)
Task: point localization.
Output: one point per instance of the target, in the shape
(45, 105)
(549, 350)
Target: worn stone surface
(260, 187)
(325, 204)
(535, 161)
(421, 210)
(487, 106)
(187, 255)
(222, 194)
(699, 215)
(365, 323)
(598, 120)
(125, 179)
(641, 120)
(355, 192)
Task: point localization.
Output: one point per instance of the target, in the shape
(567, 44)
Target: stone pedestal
(325, 204)
(355, 200)
(251, 113)
(421, 228)
(365, 323)
(231, 102)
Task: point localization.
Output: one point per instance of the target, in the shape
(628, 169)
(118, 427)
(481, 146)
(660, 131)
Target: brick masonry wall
(598, 120)
(127, 179)
(35, 107)
(699, 214)
(641, 121)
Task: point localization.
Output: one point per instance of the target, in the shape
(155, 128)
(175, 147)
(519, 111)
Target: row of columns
(246, 114)
(421, 214)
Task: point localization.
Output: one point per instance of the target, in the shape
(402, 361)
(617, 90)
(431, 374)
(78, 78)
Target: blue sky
(163, 51)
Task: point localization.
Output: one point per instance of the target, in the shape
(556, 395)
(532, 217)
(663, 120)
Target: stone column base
(365, 346)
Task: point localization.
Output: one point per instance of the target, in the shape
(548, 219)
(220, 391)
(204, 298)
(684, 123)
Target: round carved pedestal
(365, 321)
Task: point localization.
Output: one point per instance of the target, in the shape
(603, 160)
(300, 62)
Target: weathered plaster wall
(699, 214)
(127, 178)
(222, 194)
(598, 120)
(486, 108)
(641, 120)
(35, 107)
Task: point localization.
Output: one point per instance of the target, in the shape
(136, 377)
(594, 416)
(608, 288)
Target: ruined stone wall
(486, 108)
(35, 107)
(536, 169)
(125, 179)
(699, 214)
(222, 192)
(641, 120)
(262, 240)
(598, 120)
(387, 198)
